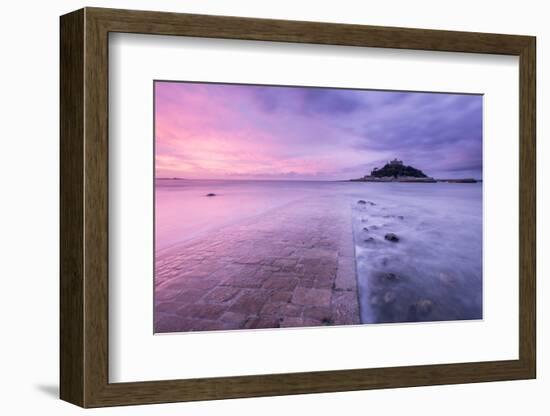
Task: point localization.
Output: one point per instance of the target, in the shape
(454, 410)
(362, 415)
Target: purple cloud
(225, 130)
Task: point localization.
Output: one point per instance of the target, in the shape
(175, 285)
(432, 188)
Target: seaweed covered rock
(391, 237)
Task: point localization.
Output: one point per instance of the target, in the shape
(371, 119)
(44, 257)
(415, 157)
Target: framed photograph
(255, 207)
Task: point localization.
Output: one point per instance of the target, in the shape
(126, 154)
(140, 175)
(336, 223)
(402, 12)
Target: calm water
(183, 211)
(434, 271)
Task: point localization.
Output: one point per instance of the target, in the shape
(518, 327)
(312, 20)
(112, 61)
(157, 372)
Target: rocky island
(396, 171)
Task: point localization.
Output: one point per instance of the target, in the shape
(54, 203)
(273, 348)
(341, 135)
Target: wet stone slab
(293, 266)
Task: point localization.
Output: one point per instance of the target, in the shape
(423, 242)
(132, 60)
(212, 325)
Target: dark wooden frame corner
(84, 207)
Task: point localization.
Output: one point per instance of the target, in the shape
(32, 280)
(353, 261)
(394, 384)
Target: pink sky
(223, 131)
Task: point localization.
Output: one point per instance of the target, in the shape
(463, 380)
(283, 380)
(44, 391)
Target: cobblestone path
(293, 266)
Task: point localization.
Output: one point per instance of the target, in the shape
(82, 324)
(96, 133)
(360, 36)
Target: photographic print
(292, 206)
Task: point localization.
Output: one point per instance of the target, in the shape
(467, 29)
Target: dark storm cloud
(441, 131)
(331, 101)
(307, 101)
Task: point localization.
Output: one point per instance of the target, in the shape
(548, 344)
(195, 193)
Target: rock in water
(211, 194)
(396, 169)
(389, 297)
(362, 202)
(424, 307)
(389, 277)
(420, 310)
(391, 237)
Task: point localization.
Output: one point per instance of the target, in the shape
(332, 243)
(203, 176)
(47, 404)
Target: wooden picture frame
(84, 207)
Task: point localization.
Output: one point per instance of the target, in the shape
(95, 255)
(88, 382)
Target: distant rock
(391, 237)
(465, 180)
(210, 194)
(396, 171)
(362, 202)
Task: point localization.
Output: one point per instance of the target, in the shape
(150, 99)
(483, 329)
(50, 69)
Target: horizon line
(291, 180)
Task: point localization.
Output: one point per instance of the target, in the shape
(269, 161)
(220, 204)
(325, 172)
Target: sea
(431, 269)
